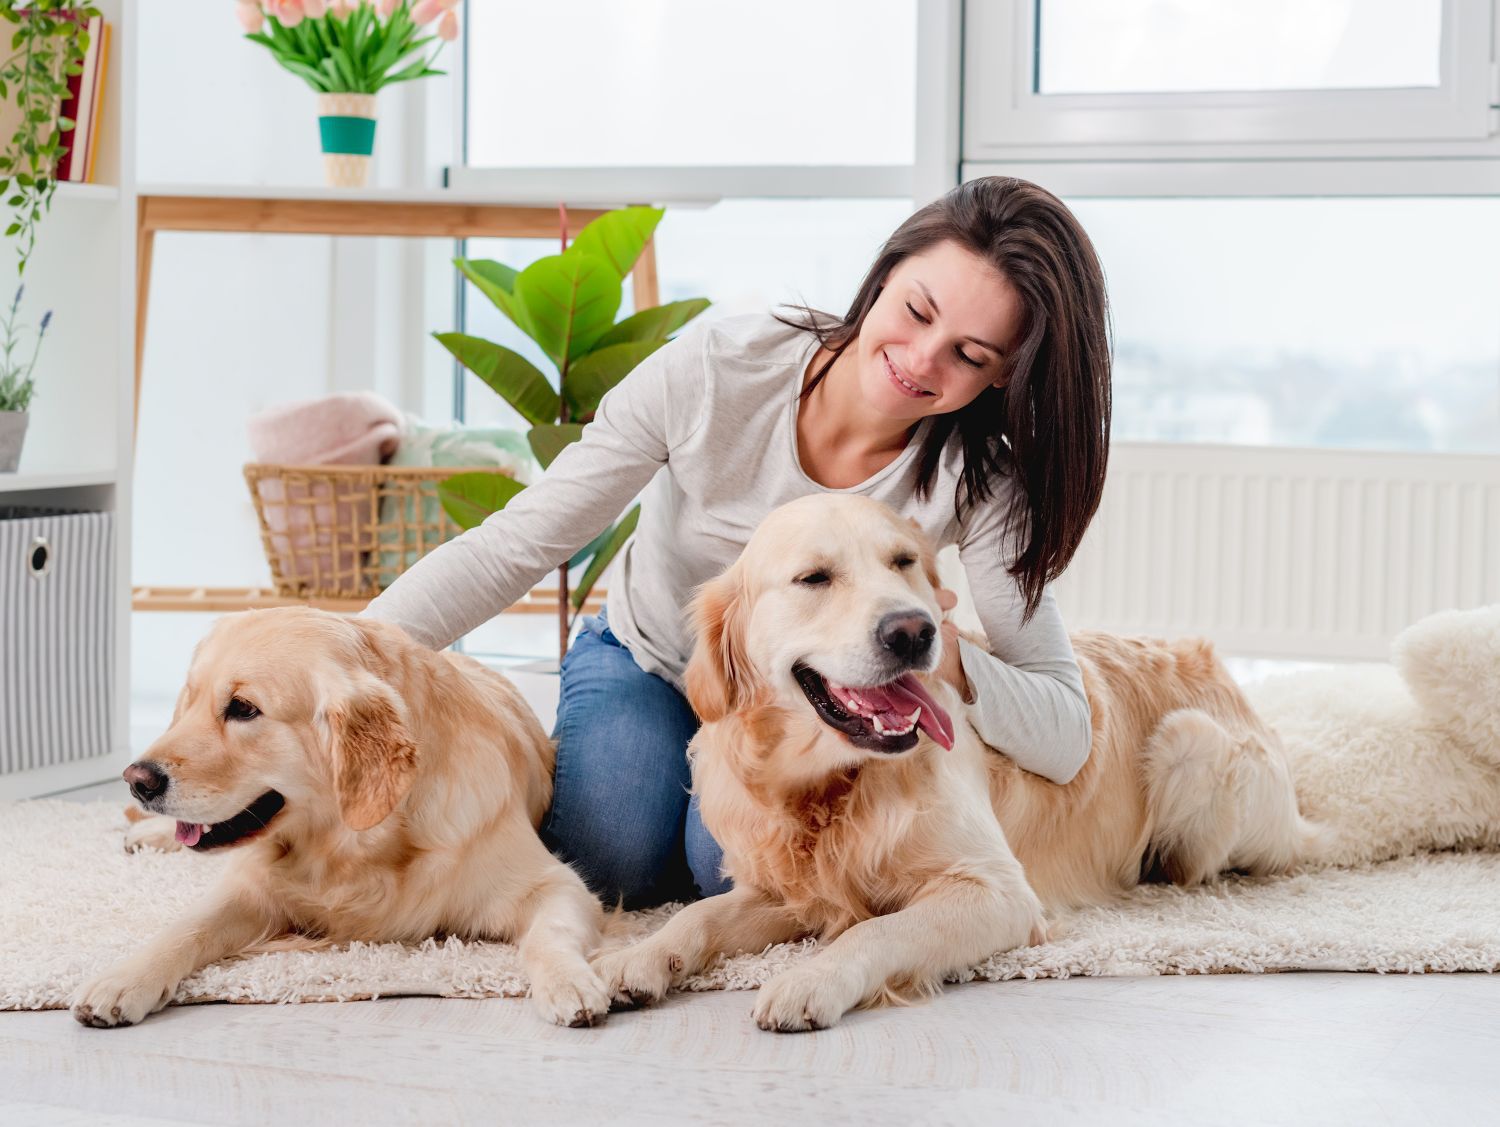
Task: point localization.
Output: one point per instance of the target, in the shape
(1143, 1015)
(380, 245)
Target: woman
(967, 387)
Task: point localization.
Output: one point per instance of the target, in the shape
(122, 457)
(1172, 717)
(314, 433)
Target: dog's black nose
(907, 634)
(147, 780)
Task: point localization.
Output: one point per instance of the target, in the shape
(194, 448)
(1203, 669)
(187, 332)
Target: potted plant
(48, 44)
(567, 304)
(347, 50)
(16, 382)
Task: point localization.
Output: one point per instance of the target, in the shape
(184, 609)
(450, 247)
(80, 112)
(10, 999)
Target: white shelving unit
(78, 447)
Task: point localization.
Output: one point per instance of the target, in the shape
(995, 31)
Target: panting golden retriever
(372, 789)
(855, 803)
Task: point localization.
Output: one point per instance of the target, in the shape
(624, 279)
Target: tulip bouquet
(347, 50)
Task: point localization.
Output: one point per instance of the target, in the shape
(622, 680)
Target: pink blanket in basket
(350, 428)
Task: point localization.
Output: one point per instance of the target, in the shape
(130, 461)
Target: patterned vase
(347, 125)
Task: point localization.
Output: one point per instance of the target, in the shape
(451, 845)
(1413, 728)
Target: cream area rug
(72, 901)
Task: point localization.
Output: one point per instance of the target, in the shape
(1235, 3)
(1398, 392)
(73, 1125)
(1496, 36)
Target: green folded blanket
(423, 445)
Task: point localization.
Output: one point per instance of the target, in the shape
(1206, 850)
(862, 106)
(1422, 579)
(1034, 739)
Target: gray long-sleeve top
(707, 426)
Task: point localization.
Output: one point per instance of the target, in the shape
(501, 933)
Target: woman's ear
(717, 679)
(374, 756)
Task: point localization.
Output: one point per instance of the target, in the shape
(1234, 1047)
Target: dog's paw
(575, 999)
(807, 997)
(638, 975)
(156, 832)
(117, 998)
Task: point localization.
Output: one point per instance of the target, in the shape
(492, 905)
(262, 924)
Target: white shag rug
(72, 901)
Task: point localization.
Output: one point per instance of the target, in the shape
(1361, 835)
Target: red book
(82, 106)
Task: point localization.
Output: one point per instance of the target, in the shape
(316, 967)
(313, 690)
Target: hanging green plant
(47, 48)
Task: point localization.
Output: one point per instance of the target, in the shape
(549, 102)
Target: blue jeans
(621, 810)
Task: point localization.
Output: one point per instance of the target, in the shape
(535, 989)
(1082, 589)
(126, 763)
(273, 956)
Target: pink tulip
(448, 27)
(315, 9)
(249, 14)
(386, 7)
(426, 11)
(287, 12)
(342, 8)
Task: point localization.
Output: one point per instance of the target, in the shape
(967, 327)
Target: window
(680, 82)
(1178, 46)
(1123, 75)
(1364, 323)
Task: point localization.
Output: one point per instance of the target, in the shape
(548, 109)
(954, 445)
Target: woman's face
(941, 331)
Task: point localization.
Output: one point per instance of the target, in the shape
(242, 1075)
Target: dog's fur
(900, 860)
(413, 783)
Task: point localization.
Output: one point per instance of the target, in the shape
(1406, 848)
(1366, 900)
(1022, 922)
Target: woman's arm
(1028, 694)
(474, 577)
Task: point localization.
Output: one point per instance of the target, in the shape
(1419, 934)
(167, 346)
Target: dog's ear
(374, 756)
(717, 678)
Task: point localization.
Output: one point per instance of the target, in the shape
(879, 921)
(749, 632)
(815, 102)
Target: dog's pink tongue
(898, 698)
(189, 832)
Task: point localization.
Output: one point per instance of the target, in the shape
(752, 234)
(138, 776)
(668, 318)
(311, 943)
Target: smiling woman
(967, 388)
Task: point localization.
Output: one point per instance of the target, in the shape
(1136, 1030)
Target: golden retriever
(373, 790)
(853, 801)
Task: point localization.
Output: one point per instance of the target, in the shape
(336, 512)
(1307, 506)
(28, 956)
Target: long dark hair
(1049, 426)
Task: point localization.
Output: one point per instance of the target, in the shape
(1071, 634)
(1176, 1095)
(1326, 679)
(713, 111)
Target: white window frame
(1004, 118)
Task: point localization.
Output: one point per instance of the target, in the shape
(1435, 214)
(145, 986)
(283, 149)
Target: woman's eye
(814, 579)
(240, 709)
(917, 317)
(969, 360)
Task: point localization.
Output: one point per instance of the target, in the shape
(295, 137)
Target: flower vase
(346, 123)
(12, 434)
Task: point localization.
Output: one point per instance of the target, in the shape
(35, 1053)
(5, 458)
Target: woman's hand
(949, 667)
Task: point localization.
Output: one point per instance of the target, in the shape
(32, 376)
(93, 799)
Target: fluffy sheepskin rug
(1399, 763)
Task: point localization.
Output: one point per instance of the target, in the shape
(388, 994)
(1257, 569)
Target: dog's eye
(240, 709)
(902, 562)
(814, 579)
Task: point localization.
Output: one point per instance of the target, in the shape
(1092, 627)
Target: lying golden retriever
(854, 803)
(373, 789)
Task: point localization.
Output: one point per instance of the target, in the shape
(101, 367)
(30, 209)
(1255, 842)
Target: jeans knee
(618, 871)
(704, 856)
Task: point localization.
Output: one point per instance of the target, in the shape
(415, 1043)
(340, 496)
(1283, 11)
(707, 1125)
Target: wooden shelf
(224, 600)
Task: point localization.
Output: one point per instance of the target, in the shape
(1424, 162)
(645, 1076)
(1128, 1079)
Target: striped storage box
(57, 636)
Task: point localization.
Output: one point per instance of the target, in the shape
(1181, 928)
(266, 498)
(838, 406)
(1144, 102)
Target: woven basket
(341, 532)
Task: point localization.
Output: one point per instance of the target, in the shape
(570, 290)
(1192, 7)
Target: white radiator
(1286, 553)
(56, 636)
(1278, 553)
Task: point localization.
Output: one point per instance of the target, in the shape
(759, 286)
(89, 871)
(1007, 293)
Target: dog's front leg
(229, 920)
(556, 939)
(742, 919)
(953, 923)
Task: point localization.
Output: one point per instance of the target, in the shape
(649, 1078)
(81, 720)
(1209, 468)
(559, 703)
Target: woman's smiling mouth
(902, 384)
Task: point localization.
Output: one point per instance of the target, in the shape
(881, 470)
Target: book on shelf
(83, 104)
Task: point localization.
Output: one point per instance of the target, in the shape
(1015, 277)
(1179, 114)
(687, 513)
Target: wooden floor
(1317, 1049)
(1288, 1048)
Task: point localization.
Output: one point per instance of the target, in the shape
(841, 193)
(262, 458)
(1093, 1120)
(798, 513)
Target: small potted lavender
(16, 381)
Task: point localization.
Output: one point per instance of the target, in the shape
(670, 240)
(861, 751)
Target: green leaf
(584, 554)
(570, 300)
(548, 441)
(619, 236)
(656, 323)
(470, 497)
(515, 378)
(617, 538)
(590, 376)
(497, 282)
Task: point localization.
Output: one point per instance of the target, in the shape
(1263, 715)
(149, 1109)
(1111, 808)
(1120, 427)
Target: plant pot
(12, 432)
(346, 123)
